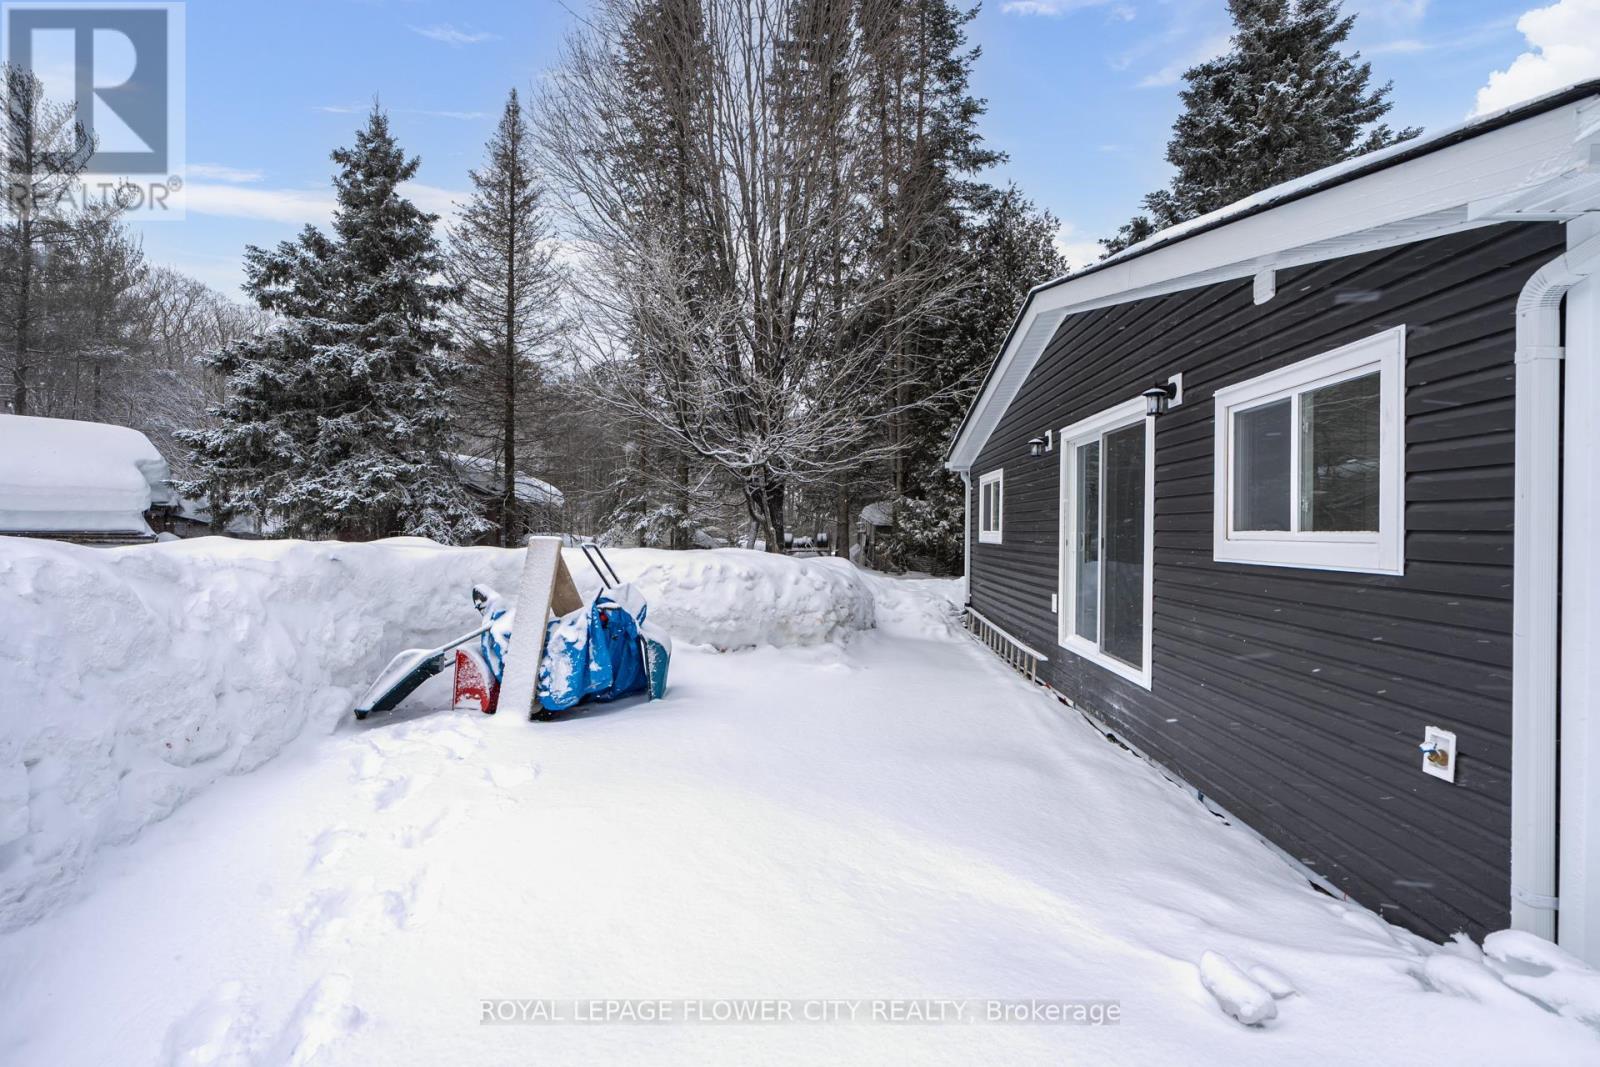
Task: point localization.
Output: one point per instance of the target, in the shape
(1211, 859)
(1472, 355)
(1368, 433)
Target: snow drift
(132, 678)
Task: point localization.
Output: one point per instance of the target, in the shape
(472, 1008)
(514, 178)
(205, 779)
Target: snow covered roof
(484, 474)
(64, 476)
(1532, 161)
(880, 513)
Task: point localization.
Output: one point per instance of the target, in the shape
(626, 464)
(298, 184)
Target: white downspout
(966, 537)
(1536, 589)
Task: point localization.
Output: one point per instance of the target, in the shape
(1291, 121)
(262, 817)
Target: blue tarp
(594, 653)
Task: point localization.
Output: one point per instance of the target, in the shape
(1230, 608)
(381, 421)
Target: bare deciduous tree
(43, 149)
(716, 192)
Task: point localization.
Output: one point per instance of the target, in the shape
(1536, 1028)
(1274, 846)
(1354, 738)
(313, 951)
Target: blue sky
(1081, 94)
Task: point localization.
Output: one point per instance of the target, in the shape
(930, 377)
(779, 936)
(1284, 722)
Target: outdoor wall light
(1158, 398)
(1040, 445)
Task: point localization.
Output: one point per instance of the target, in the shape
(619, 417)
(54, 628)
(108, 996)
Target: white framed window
(1108, 483)
(1310, 462)
(991, 506)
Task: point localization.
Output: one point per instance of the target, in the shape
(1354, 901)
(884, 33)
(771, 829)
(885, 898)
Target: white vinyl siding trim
(1375, 552)
(1068, 441)
(991, 506)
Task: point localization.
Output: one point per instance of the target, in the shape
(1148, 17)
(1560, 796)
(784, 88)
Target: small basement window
(1309, 462)
(991, 506)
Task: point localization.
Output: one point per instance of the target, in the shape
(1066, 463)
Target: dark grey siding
(1297, 698)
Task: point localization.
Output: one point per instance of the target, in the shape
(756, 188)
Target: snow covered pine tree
(1282, 102)
(335, 418)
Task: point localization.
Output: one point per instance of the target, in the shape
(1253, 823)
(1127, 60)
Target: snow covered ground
(854, 802)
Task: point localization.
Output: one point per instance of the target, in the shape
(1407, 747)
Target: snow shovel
(407, 671)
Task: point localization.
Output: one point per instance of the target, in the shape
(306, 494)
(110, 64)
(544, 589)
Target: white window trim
(997, 479)
(1369, 553)
(1067, 444)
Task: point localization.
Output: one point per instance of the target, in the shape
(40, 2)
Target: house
(540, 503)
(873, 524)
(78, 481)
(1344, 581)
(184, 518)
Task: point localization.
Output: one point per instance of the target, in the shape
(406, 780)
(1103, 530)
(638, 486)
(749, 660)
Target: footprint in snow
(321, 913)
(421, 833)
(366, 764)
(330, 845)
(217, 1031)
(415, 904)
(456, 744)
(511, 776)
(325, 1015)
(389, 790)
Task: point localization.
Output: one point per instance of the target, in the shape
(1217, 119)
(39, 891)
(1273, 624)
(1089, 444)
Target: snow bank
(734, 598)
(132, 678)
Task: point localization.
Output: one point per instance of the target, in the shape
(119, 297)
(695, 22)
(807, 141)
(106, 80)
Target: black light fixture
(1158, 398)
(1036, 447)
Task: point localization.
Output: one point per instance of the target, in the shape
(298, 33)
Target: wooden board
(543, 574)
(564, 596)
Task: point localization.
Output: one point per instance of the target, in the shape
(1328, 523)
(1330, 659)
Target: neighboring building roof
(484, 475)
(64, 476)
(1532, 161)
(878, 514)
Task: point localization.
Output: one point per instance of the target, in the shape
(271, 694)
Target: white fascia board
(1375, 211)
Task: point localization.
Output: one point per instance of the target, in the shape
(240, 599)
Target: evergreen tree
(923, 120)
(335, 418)
(1008, 247)
(655, 496)
(1283, 102)
(502, 259)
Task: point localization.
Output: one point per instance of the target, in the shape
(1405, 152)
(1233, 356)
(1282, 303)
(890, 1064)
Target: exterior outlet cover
(1439, 753)
(1054, 606)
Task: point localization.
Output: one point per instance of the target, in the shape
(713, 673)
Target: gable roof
(1539, 160)
(483, 474)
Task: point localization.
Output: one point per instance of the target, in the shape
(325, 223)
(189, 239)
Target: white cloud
(293, 206)
(452, 35)
(1483, 34)
(1061, 7)
(340, 109)
(296, 207)
(1391, 12)
(1563, 47)
(1078, 253)
(1172, 73)
(221, 173)
(1403, 46)
(464, 116)
(433, 198)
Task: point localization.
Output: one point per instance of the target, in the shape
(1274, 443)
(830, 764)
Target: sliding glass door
(1107, 485)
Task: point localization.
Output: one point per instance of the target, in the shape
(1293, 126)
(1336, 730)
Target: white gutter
(1536, 589)
(966, 537)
